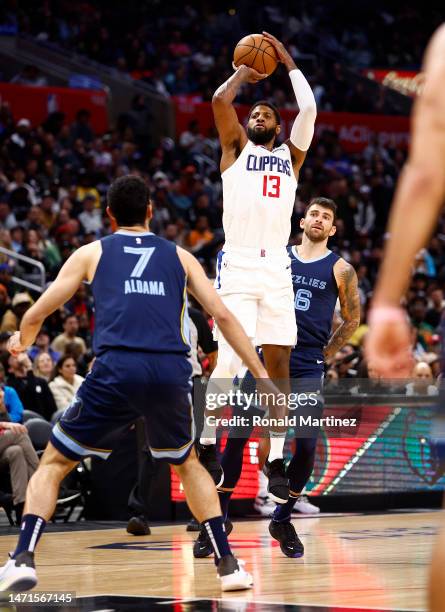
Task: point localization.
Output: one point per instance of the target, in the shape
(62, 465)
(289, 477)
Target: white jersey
(258, 198)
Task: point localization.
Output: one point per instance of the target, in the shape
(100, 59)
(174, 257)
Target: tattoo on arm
(350, 310)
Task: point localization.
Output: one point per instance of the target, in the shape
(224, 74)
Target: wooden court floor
(370, 561)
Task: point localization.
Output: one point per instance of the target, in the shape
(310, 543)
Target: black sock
(224, 500)
(30, 531)
(217, 534)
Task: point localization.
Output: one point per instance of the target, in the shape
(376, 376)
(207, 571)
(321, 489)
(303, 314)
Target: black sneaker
(203, 546)
(285, 533)
(138, 526)
(209, 459)
(18, 574)
(232, 574)
(193, 525)
(278, 485)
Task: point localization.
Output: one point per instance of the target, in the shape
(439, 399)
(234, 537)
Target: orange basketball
(256, 52)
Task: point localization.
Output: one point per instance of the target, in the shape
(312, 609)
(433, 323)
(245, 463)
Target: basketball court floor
(366, 562)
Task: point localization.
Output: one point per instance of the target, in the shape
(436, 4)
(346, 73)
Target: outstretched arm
(349, 306)
(303, 127)
(74, 271)
(232, 135)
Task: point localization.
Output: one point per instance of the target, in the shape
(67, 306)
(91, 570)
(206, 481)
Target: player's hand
(283, 55)
(249, 75)
(14, 346)
(388, 344)
(17, 428)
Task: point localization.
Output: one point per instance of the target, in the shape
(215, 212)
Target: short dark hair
(128, 199)
(269, 105)
(324, 203)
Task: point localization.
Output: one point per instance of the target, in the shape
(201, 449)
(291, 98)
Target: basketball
(256, 52)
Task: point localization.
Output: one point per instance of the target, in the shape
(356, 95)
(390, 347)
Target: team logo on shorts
(74, 409)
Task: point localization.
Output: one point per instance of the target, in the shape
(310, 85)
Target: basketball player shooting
(253, 268)
(139, 284)
(418, 203)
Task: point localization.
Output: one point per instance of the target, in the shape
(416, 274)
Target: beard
(260, 137)
(316, 235)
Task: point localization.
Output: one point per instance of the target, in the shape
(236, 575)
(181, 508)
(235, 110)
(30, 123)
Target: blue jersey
(316, 293)
(140, 294)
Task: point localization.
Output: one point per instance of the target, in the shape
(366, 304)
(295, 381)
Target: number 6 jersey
(259, 196)
(315, 291)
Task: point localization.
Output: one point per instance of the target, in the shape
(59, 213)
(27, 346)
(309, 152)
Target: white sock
(262, 484)
(207, 441)
(276, 446)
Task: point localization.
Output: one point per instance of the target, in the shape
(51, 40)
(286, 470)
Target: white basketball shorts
(256, 286)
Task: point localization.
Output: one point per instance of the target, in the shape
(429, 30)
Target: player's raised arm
(303, 128)
(76, 269)
(348, 295)
(232, 135)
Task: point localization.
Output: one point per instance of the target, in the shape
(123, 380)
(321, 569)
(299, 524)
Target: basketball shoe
(285, 533)
(203, 546)
(304, 506)
(278, 486)
(232, 574)
(209, 459)
(18, 574)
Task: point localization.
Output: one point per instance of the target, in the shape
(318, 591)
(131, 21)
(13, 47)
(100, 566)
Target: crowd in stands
(187, 50)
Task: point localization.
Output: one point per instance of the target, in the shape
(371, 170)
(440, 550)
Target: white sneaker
(264, 505)
(304, 506)
(18, 574)
(232, 574)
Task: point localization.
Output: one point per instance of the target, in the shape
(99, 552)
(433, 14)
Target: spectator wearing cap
(12, 318)
(12, 408)
(42, 346)
(69, 335)
(91, 217)
(33, 391)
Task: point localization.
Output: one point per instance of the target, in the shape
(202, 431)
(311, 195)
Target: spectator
(17, 452)
(12, 405)
(65, 382)
(44, 366)
(201, 235)
(91, 217)
(436, 305)
(423, 380)
(42, 346)
(21, 302)
(70, 329)
(33, 391)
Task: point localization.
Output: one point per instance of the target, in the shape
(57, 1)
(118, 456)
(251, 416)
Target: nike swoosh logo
(319, 360)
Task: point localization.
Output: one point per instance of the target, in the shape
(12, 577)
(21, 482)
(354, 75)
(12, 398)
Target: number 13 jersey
(259, 196)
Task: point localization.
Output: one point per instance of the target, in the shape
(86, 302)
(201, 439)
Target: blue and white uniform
(253, 267)
(315, 296)
(141, 340)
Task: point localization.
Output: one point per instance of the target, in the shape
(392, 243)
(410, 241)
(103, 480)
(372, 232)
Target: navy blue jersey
(140, 294)
(316, 293)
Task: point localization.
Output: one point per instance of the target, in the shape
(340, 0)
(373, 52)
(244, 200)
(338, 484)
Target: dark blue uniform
(316, 293)
(141, 340)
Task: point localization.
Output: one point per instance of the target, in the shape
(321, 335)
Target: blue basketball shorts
(122, 386)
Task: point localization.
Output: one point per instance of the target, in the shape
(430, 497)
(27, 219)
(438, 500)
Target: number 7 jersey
(258, 197)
